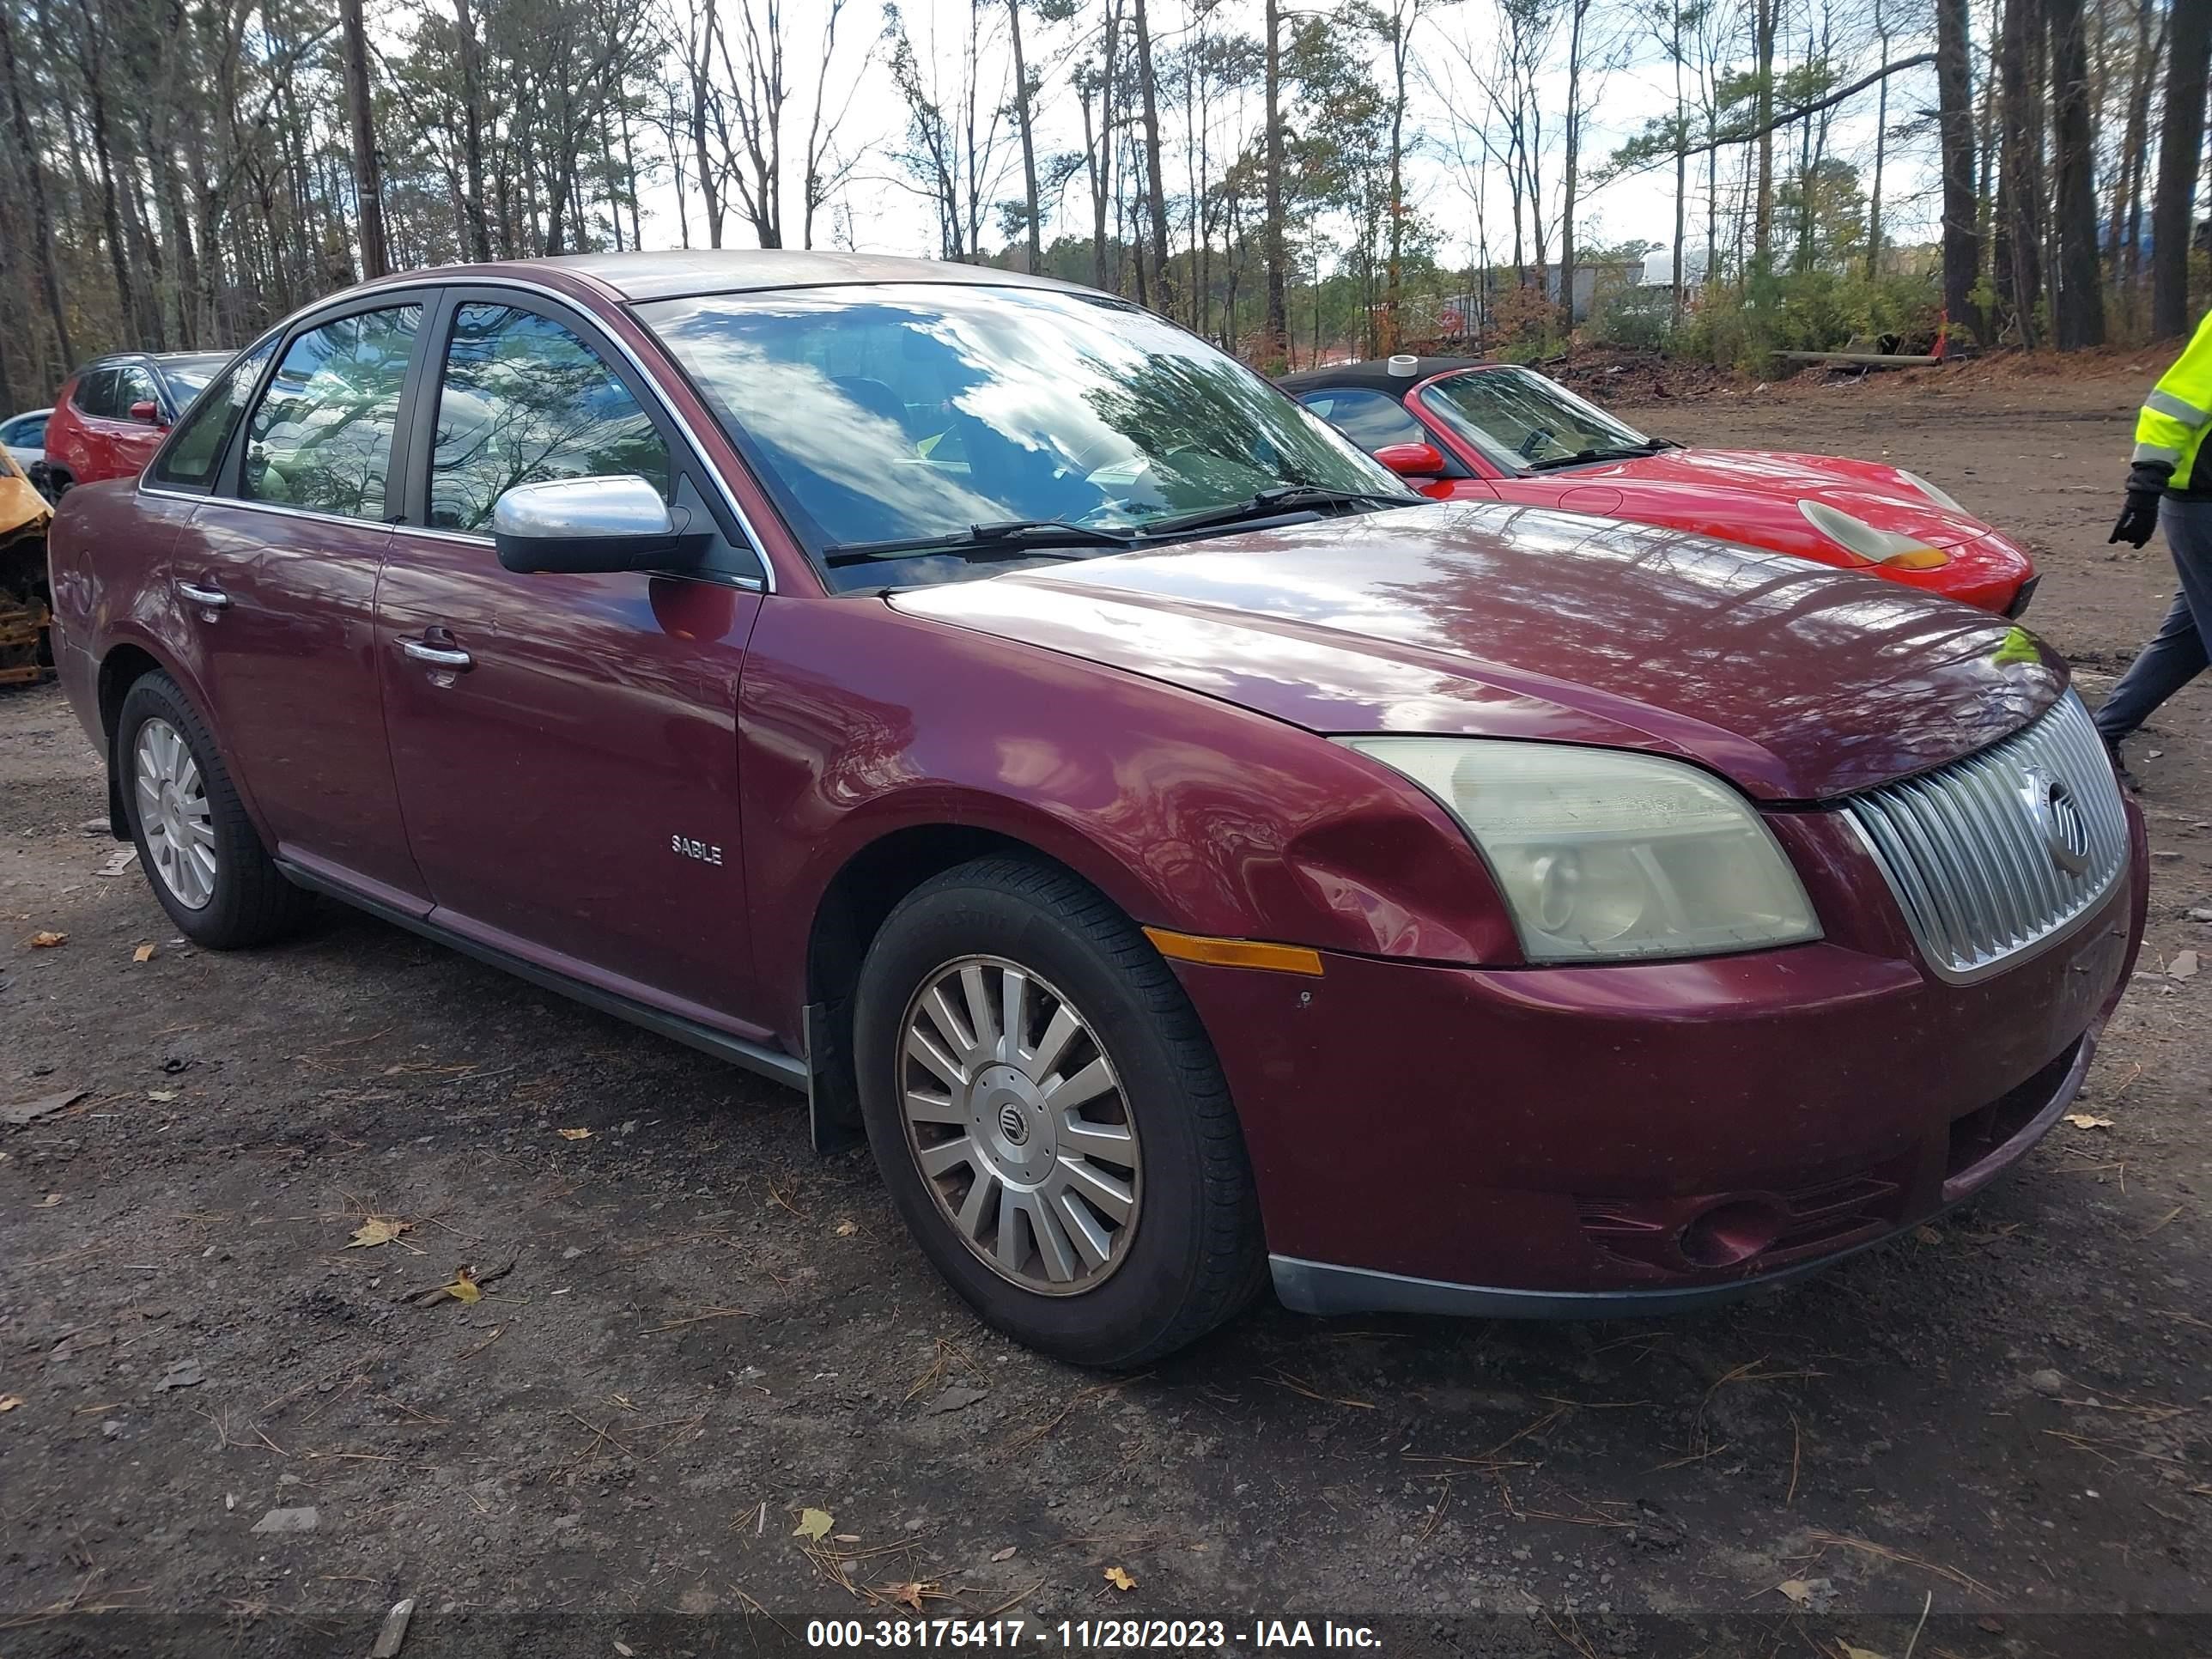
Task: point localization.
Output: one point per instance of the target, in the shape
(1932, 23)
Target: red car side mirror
(1411, 460)
(147, 411)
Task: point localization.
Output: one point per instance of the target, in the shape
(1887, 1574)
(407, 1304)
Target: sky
(879, 212)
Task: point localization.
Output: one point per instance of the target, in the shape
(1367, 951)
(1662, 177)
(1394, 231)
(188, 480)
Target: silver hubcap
(174, 812)
(1016, 1120)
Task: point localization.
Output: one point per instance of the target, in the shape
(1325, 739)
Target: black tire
(251, 902)
(1195, 1257)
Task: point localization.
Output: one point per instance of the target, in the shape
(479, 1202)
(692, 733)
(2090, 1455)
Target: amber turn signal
(1917, 558)
(1235, 952)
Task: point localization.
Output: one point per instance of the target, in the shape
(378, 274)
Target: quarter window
(1369, 418)
(193, 454)
(320, 438)
(524, 399)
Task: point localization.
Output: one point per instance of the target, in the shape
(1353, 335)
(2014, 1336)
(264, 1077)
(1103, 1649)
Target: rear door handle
(442, 656)
(209, 596)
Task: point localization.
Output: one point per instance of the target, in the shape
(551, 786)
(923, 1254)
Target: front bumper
(1637, 1138)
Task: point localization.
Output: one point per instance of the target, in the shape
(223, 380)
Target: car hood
(1798, 682)
(1866, 489)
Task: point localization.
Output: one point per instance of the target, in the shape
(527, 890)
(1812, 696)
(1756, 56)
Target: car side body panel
(858, 722)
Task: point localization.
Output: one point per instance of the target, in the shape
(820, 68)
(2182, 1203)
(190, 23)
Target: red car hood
(1798, 682)
(1865, 489)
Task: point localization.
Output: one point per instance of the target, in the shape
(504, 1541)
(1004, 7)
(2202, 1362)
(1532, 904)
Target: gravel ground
(238, 1432)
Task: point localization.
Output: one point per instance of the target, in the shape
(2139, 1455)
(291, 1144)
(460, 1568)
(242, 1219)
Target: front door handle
(206, 595)
(440, 656)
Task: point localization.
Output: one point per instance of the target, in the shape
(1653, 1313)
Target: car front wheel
(1050, 1119)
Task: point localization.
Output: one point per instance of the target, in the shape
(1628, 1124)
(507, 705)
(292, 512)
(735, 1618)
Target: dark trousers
(2182, 648)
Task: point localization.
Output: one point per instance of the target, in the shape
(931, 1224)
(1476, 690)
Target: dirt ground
(2002, 1426)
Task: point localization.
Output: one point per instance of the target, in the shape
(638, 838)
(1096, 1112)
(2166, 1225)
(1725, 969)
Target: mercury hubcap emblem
(1016, 1118)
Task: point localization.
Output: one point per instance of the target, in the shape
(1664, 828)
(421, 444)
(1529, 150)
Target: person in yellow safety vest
(2167, 488)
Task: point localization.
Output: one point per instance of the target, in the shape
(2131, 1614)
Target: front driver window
(320, 439)
(524, 400)
(1368, 418)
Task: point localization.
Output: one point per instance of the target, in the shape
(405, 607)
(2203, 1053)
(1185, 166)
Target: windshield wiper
(1618, 452)
(1013, 538)
(1278, 499)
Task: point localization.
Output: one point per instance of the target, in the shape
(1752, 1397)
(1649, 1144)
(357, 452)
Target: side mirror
(1411, 460)
(578, 526)
(147, 411)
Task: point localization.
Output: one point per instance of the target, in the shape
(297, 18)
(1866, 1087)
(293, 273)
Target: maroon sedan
(1188, 854)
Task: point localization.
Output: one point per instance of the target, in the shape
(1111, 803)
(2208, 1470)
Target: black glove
(2139, 518)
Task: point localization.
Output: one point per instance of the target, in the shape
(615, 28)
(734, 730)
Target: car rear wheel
(201, 852)
(1049, 1118)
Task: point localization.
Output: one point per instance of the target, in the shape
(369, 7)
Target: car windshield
(907, 412)
(1524, 422)
(188, 376)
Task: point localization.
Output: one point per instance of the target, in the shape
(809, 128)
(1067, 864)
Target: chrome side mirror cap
(581, 525)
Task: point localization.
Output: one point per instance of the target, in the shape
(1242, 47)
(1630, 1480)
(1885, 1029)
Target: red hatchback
(1466, 430)
(1189, 856)
(112, 415)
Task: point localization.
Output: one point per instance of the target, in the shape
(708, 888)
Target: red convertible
(1463, 430)
(1190, 857)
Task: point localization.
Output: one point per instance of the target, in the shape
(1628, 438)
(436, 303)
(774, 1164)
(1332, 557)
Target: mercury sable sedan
(1188, 856)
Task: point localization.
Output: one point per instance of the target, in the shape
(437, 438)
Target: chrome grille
(2001, 852)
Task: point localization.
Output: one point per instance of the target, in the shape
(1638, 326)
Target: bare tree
(2180, 140)
(368, 178)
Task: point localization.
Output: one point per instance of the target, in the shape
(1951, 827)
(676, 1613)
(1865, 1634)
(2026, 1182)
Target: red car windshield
(915, 411)
(1523, 423)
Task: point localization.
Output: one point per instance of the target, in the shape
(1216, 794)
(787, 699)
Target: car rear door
(566, 745)
(276, 575)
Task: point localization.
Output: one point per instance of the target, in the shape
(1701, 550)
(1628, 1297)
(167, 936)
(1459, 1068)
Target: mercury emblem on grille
(2058, 816)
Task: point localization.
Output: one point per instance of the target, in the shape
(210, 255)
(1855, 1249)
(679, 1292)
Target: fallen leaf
(47, 941)
(31, 1111)
(846, 1229)
(2184, 965)
(1005, 1554)
(908, 1595)
(143, 953)
(10, 1402)
(845, 1538)
(1120, 1579)
(814, 1523)
(48, 1201)
(464, 1288)
(626, 1651)
(1847, 1651)
(1797, 1590)
(1927, 1234)
(575, 1134)
(164, 1095)
(2088, 1121)
(377, 1230)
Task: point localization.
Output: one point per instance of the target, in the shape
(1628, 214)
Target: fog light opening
(1731, 1231)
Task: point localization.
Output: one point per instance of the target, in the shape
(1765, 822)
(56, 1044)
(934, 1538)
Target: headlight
(1928, 491)
(1884, 547)
(1603, 855)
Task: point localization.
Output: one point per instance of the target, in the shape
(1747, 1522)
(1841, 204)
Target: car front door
(141, 424)
(275, 576)
(566, 745)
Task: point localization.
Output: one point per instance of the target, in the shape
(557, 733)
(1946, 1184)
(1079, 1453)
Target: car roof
(1376, 374)
(674, 273)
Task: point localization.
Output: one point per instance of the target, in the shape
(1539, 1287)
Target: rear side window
(1368, 418)
(192, 456)
(524, 399)
(320, 438)
(95, 392)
